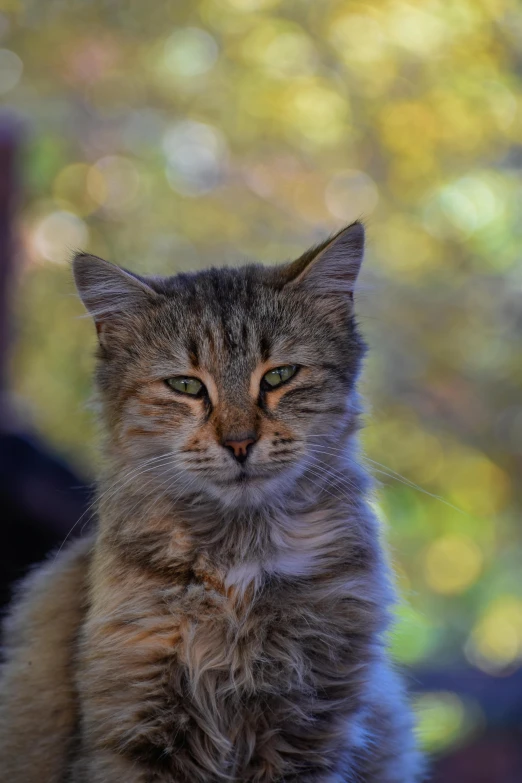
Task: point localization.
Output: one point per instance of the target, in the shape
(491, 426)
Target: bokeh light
(114, 183)
(189, 52)
(495, 643)
(59, 234)
(444, 719)
(196, 157)
(452, 564)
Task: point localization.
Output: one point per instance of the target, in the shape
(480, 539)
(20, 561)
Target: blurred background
(170, 136)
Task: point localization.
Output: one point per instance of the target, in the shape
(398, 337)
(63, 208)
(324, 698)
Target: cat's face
(226, 382)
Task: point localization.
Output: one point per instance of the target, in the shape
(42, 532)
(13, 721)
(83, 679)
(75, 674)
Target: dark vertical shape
(10, 132)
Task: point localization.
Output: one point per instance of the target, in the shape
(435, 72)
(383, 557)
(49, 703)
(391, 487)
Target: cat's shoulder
(37, 692)
(51, 596)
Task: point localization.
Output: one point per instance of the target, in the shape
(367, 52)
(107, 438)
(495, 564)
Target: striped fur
(226, 622)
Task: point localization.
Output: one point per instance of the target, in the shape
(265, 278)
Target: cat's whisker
(167, 481)
(324, 486)
(342, 475)
(122, 481)
(389, 473)
(117, 487)
(321, 471)
(411, 485)
(344, 451)
(121, 487)
(336, 483)
(165, 468)
(189, 483)
(146, 514)
(344, 454)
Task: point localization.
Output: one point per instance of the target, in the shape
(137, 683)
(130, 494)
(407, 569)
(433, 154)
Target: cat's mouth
(242, 479)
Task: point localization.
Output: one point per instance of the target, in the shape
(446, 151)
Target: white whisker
(122, 481)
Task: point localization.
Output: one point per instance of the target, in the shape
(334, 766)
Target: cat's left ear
(332, 267)
(110, 294)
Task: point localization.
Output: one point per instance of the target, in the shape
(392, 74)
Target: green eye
(279, 375)
(186, 385)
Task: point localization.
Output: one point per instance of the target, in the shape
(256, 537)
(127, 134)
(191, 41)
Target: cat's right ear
(330, 269)
(108, 291)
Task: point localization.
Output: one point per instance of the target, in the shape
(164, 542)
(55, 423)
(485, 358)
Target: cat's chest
(221, 634)
(181, 667)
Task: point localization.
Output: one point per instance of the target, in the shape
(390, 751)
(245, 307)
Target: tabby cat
(227, 620)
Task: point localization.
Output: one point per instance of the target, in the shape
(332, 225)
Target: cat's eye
(186, 385)
(279, 375)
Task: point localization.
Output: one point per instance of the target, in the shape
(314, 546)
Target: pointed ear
(332, 267)
(107, 290)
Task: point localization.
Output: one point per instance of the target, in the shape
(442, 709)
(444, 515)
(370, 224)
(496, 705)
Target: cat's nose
(240, 446)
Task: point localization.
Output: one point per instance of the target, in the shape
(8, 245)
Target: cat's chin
(245, 490)
(242, 479)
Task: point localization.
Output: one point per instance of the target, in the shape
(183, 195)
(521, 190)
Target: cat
(227, 619)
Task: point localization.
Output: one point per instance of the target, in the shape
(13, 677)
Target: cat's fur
(226, 622)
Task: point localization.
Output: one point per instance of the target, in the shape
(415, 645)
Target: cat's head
(226, 382)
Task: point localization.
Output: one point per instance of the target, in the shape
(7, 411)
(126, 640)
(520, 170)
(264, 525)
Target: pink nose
(239, 448)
